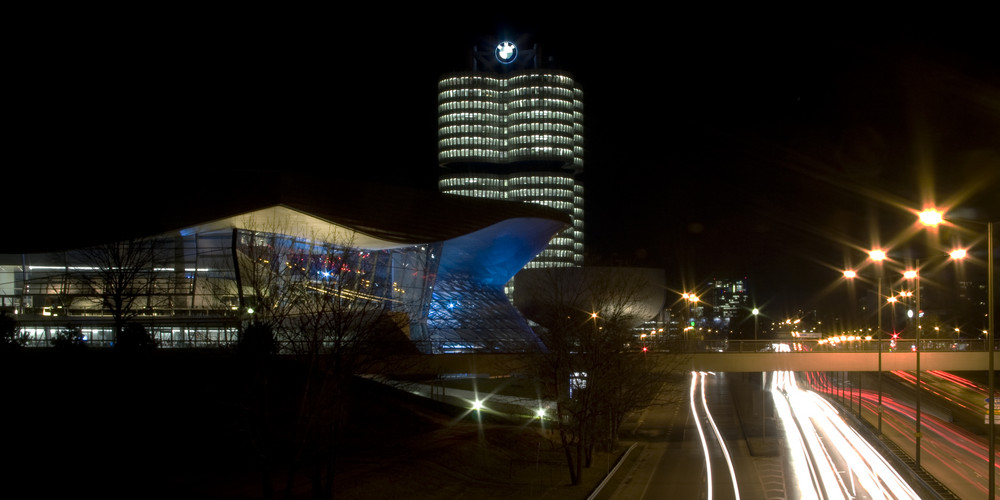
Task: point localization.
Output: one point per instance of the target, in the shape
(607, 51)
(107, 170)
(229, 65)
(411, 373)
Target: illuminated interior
(441, 280)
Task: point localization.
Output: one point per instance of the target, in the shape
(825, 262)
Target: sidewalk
(494, 403)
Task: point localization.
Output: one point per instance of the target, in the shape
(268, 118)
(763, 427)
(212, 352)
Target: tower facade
(511, 130)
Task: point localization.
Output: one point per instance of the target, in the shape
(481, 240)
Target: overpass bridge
(743, 357)
(501, 364)
(839, 361)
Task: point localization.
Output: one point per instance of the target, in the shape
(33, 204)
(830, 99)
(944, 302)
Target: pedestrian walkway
(462, 398)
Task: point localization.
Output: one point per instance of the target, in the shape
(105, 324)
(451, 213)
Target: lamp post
(914, 274)
(917, 434)
(763, 378)
(691, 298)
(878, 255)
(932, 218)
(989, 339)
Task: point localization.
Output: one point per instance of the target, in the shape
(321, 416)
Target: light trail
(802, 468)
(957, 457)
(722, 442)
(695, 378)
(701, 432)
(840, 463)
(956, 390)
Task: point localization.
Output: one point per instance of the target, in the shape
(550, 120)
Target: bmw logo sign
(506, 52)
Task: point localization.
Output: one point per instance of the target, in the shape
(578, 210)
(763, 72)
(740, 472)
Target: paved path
(463, 398)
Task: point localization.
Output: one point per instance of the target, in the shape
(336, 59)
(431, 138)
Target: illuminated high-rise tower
(512, 130)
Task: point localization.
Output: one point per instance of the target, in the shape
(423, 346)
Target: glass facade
(195, 288)
(466, 316)
(176, 290)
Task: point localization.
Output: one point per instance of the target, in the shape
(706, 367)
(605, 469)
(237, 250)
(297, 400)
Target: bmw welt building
(435, 263)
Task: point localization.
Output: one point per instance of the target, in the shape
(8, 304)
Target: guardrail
(813, 345)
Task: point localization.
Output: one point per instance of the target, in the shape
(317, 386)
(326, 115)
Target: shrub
(134, 338)
(256, 340)
(11, 338)
(70, 339)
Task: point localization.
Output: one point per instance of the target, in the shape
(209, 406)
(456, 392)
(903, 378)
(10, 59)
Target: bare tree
(119, 276)
(591, 367)
(326, 304)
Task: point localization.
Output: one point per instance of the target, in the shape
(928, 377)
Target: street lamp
(932, 218)
(755, 313)
(691, 298)
(763, 379)
(929, 218)
(878, 255)
(915, 275)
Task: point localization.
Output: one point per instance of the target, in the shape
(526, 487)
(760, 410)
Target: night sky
(771, 145)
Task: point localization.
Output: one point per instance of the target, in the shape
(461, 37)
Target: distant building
(513, 130)
(971, 314)
(730, 298)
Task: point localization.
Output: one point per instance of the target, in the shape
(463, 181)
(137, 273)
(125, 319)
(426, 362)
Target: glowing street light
(691, 298)
(755, 312)
(931, 217)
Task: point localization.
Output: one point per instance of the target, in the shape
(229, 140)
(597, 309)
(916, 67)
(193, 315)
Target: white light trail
(802, 470)
(831, 444)
(718, 435)
(722, 442)
(701, 432)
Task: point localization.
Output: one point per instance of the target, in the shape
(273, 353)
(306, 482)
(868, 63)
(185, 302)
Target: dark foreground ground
(173, 425)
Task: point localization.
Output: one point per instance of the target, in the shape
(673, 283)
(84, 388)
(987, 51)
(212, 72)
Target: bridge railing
(814, 345)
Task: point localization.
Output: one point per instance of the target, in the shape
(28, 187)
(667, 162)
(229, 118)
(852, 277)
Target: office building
(513, 130)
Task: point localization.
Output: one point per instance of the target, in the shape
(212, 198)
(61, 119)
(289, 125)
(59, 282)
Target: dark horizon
(774, 151)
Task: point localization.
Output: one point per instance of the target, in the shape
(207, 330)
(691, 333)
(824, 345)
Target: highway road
(828, 459)
(954, 454)
(699, 449)
(680, 453)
